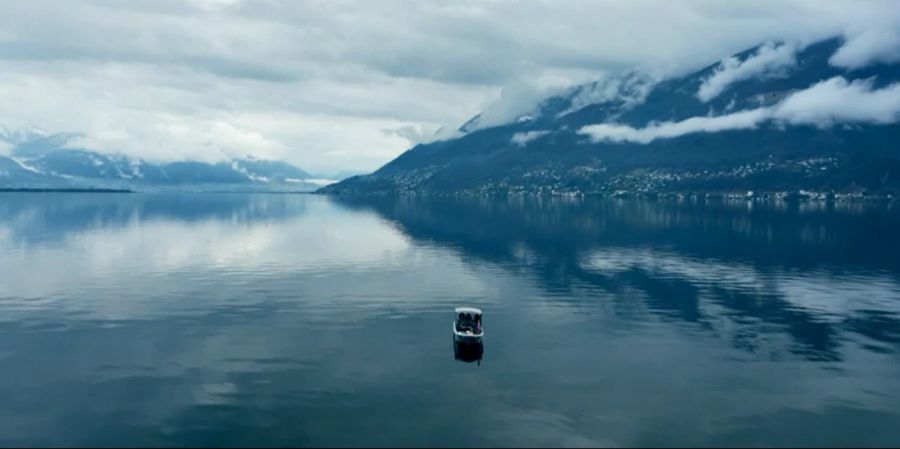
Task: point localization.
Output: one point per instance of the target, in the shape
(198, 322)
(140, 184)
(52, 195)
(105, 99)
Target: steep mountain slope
(776, 117)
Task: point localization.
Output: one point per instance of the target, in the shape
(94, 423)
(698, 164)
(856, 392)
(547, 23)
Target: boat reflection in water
(468, 352)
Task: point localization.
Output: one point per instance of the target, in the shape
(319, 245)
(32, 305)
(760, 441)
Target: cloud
(214, 5)
(519, 100)
(879, 44)
(412, 133)
(769, 60)
(621, 133)
(838, 101)
(316, 83)
(523, 139)
(824, 104)
(629, 89)
(418, 134)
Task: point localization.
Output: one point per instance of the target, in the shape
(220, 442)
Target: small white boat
(467, 327)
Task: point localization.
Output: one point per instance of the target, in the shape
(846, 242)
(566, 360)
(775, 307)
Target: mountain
(39, 161)
(778, 117)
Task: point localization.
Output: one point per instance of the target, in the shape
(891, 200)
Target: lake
(303, 320)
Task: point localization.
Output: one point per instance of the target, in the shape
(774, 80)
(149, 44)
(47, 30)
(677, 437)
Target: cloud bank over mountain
(324, 84)
(828, 103)
(767, 61)
(878, 44)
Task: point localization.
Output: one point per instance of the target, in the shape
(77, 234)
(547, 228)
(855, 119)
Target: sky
(345, 85)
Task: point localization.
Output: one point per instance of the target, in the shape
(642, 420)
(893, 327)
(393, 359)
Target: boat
(467, 327)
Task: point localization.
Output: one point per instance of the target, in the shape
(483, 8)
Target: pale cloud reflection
(829, 296)
(191, 265)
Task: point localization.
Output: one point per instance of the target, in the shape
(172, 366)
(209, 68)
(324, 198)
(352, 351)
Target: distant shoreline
(76, 190)
(786, 196)
(11, 190)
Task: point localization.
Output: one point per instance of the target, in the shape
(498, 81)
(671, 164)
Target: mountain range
(42, 161)
(774, 118)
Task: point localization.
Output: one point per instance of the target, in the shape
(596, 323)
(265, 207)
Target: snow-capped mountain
(781, 116)
(39, 160)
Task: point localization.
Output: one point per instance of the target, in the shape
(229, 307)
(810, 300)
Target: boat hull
(468, 352)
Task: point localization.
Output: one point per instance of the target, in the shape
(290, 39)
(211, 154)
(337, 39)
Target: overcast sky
(347, 85)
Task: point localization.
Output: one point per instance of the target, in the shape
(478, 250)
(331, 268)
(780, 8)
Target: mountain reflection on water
(813, 271)
(191, 320)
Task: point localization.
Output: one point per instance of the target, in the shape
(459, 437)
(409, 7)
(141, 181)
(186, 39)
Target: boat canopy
(468, 311)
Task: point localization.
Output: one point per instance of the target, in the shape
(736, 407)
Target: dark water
(299, 320)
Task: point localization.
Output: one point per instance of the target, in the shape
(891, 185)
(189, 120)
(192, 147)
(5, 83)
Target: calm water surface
(302, 320)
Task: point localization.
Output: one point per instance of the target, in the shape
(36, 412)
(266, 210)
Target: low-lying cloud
(769, 60)
(839, 101)
(629, 89)
(622, 133)
(523, 139)
(825, 104)
(879, 44)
